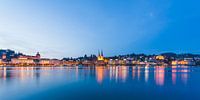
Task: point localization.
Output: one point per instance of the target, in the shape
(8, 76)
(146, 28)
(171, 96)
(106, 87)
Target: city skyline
(11, 58)
(67, 28)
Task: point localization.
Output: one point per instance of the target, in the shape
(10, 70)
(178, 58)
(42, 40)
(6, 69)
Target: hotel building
(24, 60)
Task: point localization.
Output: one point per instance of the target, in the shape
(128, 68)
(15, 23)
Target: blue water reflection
(100, 82)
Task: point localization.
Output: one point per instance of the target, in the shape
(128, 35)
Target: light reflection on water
(124, 72)
(145, 77)
(117, 73)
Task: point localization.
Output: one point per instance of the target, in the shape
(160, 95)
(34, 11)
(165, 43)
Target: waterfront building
(197, 58)
(134, 62)
(183, 62)
(100, 59)
(25, 60)
(1, 62)
(88, 62)
(44, 62)
(50, 62)
(160, 57)
(22, 61)
(113, 62)
(122, 62)
(55, 62)
(100, 56)
(70, 62)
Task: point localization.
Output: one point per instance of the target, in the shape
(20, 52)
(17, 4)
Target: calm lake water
(100, 83)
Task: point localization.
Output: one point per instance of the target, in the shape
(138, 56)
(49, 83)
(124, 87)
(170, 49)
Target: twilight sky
(65, 28)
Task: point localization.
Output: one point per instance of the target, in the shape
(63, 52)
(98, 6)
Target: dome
(38, 55)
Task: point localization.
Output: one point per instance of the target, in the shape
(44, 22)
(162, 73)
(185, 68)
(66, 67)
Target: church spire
(101, 52)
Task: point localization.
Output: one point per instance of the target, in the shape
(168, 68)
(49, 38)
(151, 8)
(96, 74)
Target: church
(100, 56)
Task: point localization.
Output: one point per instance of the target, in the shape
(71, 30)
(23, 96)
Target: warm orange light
(100, 74)
(160, 57)
(160, 76)
(100, 58)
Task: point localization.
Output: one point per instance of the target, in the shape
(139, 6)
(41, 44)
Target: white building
(22, 61)
(44, 62)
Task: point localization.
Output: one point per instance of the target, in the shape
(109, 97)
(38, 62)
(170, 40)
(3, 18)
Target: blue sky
(65, 28)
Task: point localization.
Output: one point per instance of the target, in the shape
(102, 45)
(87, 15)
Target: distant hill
(169, 54)
(9, 54)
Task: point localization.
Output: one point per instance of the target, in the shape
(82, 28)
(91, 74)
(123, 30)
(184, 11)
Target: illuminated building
(44, 62)
(87, 62)
(69, 63)
(100, 56)
(50, 62)
(160, 57)
(111, 62)
(22, 61)
(55, 62)
(183, 62)
(1, 62)
(174, 63)
(100, 59)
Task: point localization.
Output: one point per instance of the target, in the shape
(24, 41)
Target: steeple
(101, 52)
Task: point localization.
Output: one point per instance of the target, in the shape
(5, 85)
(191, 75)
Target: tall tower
(101, 52)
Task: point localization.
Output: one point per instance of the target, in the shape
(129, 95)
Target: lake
(100, 83)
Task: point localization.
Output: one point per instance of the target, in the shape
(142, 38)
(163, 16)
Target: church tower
(38, 55)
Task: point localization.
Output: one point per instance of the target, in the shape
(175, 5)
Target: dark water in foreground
(100, 83)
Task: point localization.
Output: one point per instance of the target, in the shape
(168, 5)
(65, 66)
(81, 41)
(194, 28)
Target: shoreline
(100, 65)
